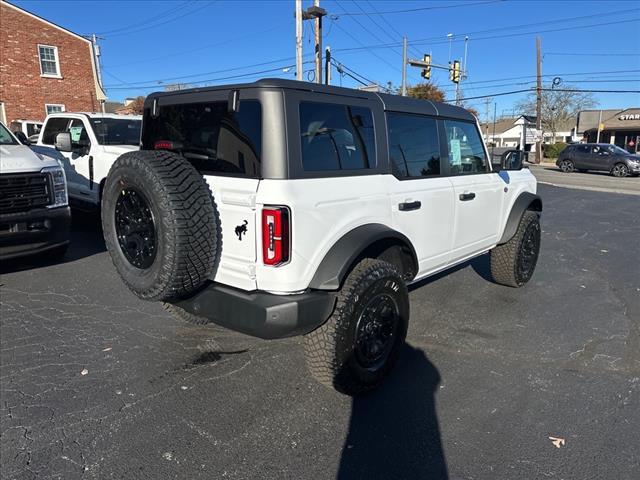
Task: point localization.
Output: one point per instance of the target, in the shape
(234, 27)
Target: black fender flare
(336, 264)
(525, 201)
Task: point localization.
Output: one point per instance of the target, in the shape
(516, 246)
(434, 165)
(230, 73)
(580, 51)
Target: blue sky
(147, 44)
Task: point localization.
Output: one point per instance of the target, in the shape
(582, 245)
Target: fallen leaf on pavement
(106, 349)
(84, 371)
(557, 442)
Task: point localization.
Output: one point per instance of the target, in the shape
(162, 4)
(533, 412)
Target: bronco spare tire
(160, 224)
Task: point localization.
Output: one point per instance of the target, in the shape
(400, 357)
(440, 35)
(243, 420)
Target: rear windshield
(117, 131)
(213, 139)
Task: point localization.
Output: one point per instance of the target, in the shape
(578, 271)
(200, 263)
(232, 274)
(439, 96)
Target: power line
(360, 43)
(172, 19)
(438, 40)
(182, 77)
(389, 24)
(211, 80)
(595, 54)
(572, 90)
(162, 14)
(456, 5)
(347, 70)
(203, 47)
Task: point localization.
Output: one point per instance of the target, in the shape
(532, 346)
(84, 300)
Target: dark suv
(599, 156)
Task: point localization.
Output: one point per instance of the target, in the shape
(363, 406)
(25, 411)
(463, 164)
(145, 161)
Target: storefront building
(621, 128)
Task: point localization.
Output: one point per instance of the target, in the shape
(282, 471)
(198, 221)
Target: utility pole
(599, 125)
(299, 40)
(487, 102)
(327, 66)
(404, 66)
(96, 56)
(318, 22)
(538, 102)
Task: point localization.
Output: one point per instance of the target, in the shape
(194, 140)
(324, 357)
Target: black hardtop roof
(390, 102)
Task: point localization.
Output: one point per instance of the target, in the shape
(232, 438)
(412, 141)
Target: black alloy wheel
(529, 250)
(376, 330)
(135, 228)
(567, 166)
(620, 170)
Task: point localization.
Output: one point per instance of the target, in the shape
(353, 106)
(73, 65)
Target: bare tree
(558, 106)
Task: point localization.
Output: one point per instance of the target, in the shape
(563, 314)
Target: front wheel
(358, 346)
(620, 170)
(513, 263)
(567, 166)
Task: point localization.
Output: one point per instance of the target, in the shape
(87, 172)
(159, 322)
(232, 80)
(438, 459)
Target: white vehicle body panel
(236, 202)
(324, 210)
(20, 159)
(84, 185)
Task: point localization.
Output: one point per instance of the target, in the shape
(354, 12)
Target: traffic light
(454, 71)
(426, 71)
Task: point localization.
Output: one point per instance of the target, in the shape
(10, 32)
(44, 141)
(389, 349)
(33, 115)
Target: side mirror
(63, 142)
(512, 160)
(22, 138)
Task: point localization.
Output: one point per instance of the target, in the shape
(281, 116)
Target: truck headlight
(59, 184)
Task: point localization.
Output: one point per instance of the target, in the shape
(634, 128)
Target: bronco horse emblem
(241, 230)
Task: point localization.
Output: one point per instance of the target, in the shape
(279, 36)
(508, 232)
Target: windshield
(117, 131)
(5, 137)
(618, 150)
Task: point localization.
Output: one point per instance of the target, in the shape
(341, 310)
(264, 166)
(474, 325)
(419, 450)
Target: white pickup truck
(34, 216)
(87, 144)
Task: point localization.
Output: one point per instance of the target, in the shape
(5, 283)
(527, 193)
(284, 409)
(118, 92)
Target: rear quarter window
(336, 137)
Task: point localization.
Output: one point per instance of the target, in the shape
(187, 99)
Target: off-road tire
(330, 349)
(185, 218)
(505, 258)
(182, 314)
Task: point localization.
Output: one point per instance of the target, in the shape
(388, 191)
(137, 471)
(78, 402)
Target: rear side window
(336, 137)
(213, 139)
(53, 127)
(414, 148)
(466, 151)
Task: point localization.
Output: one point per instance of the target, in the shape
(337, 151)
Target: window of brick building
(49, 63)
(53, 108)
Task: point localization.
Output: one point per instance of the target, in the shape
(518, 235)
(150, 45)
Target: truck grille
(21, 192)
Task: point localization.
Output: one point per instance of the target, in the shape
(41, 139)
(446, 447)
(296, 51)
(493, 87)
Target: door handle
(465, 197)
(406, 206)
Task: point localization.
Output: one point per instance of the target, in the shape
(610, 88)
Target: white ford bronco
(87, 144)
(283, 208)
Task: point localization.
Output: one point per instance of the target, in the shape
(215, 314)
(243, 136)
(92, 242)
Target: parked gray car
(599, 156)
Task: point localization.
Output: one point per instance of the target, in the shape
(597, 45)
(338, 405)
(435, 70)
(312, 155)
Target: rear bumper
(261, 314)
(39, 230)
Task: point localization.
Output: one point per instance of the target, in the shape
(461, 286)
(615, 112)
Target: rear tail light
(276, 238)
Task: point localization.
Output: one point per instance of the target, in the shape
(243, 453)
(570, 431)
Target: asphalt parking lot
(97, 384)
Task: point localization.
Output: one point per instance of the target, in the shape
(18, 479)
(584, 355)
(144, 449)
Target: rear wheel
(567, 166)
(358, 346)
(513, 263)
(160, 224)
(620, 170)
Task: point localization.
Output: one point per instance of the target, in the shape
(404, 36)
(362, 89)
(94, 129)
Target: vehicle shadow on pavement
(85, 241)
(394, 432)
(481, 265)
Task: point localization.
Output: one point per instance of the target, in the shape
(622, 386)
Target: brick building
(44, 68)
